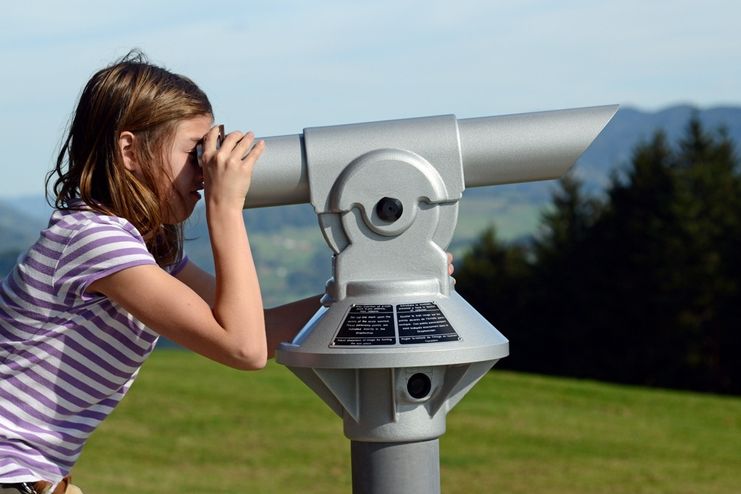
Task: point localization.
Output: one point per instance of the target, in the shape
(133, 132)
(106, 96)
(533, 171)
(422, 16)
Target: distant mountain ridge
(21, 218)
(612, 149)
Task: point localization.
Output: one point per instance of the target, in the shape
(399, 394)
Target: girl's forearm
(283, 322)
(237, 303)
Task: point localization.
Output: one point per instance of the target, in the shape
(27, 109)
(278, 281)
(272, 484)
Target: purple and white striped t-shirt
(67, 357)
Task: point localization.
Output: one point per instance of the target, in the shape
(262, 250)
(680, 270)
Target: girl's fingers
(243, 146)
(231, 141)
(238, 151)
(249, 150)
(211, 139)
(256, 151)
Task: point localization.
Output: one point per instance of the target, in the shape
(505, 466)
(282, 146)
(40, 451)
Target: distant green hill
(17, 228)
(189, 425)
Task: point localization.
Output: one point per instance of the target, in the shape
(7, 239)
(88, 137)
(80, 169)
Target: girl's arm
(231, 330)
(176, 312)
(285, 321)
(281, 323)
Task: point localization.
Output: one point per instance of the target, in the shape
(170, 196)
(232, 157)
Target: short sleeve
(96, 249)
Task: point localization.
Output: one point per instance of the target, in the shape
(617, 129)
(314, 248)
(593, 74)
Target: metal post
(396, 468)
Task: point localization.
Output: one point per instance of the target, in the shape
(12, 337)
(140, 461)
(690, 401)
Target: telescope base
(396, 468)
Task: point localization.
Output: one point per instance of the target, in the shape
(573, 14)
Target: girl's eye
(193, 156)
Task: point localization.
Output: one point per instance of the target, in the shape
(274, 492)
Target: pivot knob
(389, 209)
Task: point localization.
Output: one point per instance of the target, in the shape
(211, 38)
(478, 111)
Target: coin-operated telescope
(394, 347)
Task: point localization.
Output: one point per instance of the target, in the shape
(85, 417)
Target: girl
(86, 303)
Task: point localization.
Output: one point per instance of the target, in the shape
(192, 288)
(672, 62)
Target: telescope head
(353, 175)
(493, 150)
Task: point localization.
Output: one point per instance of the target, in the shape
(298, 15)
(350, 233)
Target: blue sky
(278, 66)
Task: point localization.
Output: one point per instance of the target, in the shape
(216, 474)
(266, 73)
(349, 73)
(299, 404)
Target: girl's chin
(182, 211)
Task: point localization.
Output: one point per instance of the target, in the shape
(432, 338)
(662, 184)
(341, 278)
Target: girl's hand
(227, 170)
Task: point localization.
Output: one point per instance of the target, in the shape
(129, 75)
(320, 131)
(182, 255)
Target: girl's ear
(126, 148)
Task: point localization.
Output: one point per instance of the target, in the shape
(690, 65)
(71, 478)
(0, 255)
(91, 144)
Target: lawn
(191, 426)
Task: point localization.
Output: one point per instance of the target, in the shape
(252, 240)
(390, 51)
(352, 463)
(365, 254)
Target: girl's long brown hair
(149, 101)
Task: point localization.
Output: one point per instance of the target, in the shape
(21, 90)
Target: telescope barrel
(280, 176)
(528, 146)
(494, 150)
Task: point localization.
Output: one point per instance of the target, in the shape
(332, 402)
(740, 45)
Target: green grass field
(191, 426)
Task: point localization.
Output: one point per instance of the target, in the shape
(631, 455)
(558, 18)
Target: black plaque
(423, 323)
(367, 325)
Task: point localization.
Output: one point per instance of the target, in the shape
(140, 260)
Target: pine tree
(710, 206)
(644, 288)
(493, 277)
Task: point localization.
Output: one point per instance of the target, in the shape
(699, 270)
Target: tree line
(640, 286)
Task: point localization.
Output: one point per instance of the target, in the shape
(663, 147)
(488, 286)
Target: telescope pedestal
(394, 348)
(396, 468)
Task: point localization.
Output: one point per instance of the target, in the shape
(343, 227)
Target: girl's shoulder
(71, 222)
(84, 244)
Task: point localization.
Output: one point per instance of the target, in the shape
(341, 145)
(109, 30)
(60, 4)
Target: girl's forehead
(195, 127)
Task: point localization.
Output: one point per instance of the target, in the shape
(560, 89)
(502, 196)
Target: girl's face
(187, 177)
